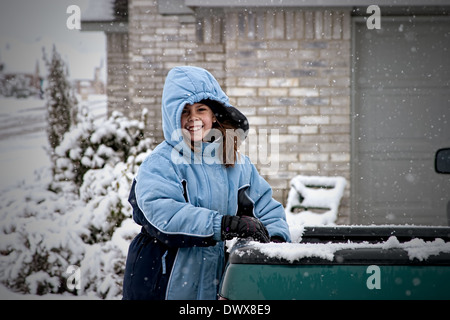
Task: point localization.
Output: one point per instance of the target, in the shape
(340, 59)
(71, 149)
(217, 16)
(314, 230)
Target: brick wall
(287, 69)
(117, 62)
(148, 48)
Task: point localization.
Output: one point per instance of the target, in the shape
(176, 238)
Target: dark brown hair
(230, 142)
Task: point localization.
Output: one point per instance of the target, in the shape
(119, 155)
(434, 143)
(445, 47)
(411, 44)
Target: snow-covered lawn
(22, 140)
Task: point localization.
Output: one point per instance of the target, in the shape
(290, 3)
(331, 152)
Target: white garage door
(401, 116)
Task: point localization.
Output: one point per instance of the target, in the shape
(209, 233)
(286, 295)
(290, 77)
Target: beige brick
(281, 120)
(340, 157)
(174, 52)
(247, 111)
(252, 82)
(257, 120)
(273, 92)
(280, 110)
(288, 157)
(334, 167)
(241, 92)
(303, 166)
(315, 138)
(303, 110)
(314, 119)
(252, 101)
(277, 44)
(282, 101)
(303, 92)
(311, 129)
(318, 25)
(214, 56)
(150, 51)
(314, 82)
(340, 101)
(303, 54)
(313, 157)
(165, 31)
(284, 138)
(283, 82)
(327, 24)
(336, 110)
(272, 54)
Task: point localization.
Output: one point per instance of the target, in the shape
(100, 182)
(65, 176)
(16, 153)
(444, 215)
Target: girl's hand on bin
(244, 227)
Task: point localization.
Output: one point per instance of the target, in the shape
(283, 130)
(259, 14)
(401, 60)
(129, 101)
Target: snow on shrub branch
(92, 146)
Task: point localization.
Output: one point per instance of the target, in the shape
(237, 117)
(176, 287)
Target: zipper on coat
(208, 187)
(163, 261)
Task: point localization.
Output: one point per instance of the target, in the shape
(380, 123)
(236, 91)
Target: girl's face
(196, 121)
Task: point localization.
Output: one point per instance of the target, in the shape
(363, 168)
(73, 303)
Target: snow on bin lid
(391, 251)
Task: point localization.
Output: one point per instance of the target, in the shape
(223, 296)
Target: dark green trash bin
(363, 266)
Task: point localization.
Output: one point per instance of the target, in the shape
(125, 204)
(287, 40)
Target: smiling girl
(188, 209)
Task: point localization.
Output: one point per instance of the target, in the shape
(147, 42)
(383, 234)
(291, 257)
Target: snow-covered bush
(92, 146)
(45, 231)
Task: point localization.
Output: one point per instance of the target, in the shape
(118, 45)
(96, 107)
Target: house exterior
(86, 87)
(20, 84)
(336, 89)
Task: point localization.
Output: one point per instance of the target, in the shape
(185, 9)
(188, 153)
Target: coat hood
(189, 85)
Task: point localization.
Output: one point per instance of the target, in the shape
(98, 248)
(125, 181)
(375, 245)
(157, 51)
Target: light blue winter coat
(181, 196)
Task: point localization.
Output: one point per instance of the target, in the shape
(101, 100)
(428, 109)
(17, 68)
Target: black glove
(244, 227)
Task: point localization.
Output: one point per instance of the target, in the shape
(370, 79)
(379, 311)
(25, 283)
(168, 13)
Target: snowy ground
(22, 140)
(23, 155)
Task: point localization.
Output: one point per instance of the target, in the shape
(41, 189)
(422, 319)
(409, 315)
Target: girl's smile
(196, 121)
